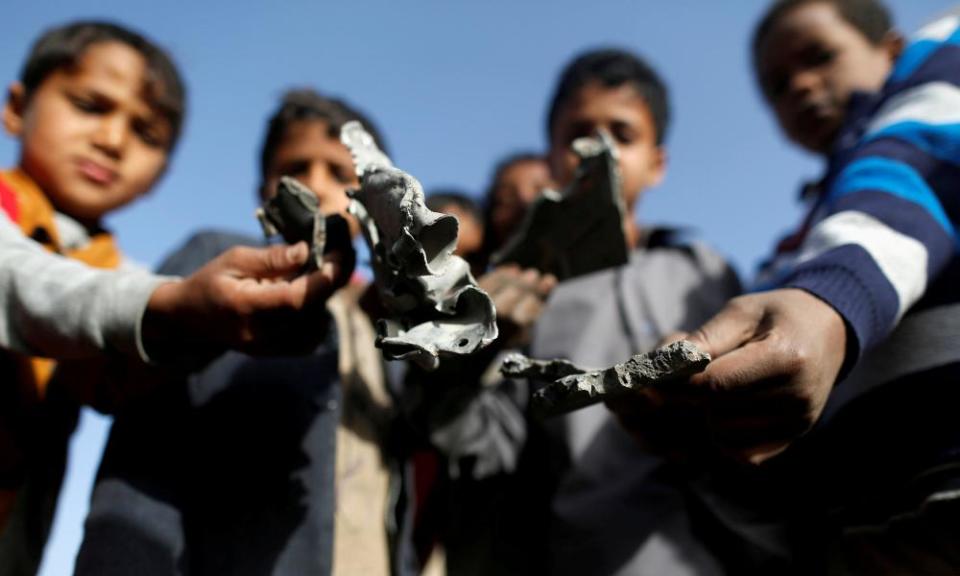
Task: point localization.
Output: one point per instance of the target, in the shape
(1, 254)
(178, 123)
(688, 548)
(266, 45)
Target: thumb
(270, 262)
(733, 326)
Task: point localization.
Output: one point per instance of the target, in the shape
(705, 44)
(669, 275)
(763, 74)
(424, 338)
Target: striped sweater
(880, 246)
(881, 241)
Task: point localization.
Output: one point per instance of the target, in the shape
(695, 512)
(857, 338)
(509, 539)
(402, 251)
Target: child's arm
(243, 300)
(888, 233)
(56, 307)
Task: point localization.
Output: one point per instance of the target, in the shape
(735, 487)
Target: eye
(295, 168)
(344, 175)
(623, 133)
(151, 133)
(775, 87)
(579, 130)
(818, 56)
(88, 104)
(507, 198)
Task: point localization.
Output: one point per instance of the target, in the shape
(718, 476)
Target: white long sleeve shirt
(60, 308)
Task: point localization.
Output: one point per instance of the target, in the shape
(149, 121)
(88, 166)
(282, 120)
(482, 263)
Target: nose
(330, 192)
(111, 135)
(318, 179)
(803, 82)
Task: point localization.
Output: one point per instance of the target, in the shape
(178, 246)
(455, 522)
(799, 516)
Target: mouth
(815, 112)
(96, 173)
(815, 119)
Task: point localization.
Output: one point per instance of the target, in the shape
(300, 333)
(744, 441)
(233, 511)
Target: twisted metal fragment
(572, 388)
(435, 304)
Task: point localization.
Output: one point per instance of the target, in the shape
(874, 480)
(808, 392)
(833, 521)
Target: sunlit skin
(89, 138)
(808, 65)
(623, 113)
(517, 186)
(470, 232)
(318, 160)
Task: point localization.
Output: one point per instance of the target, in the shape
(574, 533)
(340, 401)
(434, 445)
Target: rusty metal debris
(435, 304)
(579, 230)
(571, 387)
(293, 213)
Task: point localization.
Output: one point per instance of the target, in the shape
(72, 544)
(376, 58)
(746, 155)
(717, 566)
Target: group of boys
(818, 439)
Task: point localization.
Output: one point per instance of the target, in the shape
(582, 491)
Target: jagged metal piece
(519, 366)
(581, 388)
(580, 230)
(435, 304)
(293, 212)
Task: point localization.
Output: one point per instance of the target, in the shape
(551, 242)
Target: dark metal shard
(580, 230)
(571, 392)
(293, 213)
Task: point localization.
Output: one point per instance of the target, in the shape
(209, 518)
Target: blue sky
(454, 86)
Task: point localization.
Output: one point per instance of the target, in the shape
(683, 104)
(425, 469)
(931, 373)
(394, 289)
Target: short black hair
(869, 17)
(63, 46)
(302, 104)
(437, 199)
(612, 68)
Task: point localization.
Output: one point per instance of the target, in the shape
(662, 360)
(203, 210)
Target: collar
(59, 233)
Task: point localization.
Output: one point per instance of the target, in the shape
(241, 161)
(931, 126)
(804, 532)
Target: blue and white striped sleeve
(892, 208)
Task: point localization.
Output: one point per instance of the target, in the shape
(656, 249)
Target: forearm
(871, 261)
(52, 306)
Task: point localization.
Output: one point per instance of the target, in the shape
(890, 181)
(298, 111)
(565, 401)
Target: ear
(14, 109)
(658, 167)
(893, 44)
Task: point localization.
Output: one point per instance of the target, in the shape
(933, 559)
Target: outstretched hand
(248, 299)
(776, 356)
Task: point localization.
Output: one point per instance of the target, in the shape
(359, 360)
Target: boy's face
(320, 162)
(810, 62)
(470, 232)
(517, 187)
(88, 136)
(625, 115)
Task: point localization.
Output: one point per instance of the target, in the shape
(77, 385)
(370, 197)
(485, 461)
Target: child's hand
(776, 356)
(518, 295)
(247, 299)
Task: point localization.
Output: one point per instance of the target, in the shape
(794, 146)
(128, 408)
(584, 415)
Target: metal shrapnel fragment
(435, 304)
(577, 388)
(579, 230)
(293, 213)
(519, 366)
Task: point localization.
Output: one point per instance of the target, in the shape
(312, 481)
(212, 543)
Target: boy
(517, 181)
(95, 129)
(613, 510)
(97, 111)
(186, 476)
(841, 377)
(582, 498)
